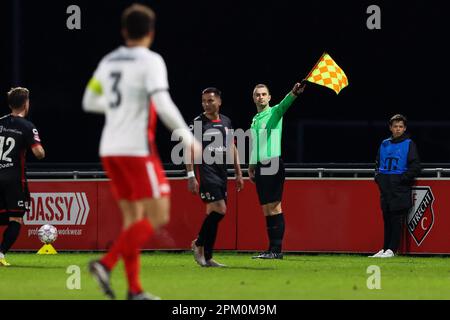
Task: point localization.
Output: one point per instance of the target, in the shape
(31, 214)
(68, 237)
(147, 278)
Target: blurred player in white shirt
(130, 87)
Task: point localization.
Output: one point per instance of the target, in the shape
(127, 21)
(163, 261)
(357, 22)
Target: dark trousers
(393, 223)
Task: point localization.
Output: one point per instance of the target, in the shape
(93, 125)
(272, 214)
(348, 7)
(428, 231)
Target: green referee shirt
(266, 131)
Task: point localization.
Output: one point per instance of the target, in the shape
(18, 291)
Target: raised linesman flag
(327, 73)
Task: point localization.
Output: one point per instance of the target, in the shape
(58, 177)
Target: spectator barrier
(322, 215)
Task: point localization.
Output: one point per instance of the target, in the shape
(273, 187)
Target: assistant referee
(266, 165)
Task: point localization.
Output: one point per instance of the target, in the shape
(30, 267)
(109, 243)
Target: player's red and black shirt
(17, 135)
(216, 139)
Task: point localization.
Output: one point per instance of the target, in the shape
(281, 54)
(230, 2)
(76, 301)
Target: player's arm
(38, 151)
(283, 106)
(34, 141)
(157, 86)
(93, 98)
(253, 156)
(172, 118)
(237, 170)
(251, 172)
(193, 186)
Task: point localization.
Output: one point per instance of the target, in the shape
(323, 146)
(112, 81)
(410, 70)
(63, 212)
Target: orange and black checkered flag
(327, 73)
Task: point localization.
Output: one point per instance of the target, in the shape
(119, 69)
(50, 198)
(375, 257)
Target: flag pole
(318, 61)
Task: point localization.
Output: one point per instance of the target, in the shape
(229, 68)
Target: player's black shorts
(14, 198)
(213, 192)
(269, 179)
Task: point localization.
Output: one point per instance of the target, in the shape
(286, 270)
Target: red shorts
(136, 178)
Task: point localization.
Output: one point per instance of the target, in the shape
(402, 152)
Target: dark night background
(233, 45)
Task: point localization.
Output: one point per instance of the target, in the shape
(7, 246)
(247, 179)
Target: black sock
(10, 236)
(203, 232)
(270, 225)
(280, 232)
(277, 233)
(214, 219)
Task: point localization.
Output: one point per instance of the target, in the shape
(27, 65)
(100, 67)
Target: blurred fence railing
(322, 170)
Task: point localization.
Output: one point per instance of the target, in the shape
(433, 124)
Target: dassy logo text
(58, 208)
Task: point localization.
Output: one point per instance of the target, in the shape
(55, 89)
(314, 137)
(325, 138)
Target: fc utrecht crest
(421, 217)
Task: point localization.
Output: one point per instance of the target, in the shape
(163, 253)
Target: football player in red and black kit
(210, 176)
(17, 135)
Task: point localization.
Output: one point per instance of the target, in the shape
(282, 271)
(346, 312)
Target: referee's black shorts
(14, 198)
(269, 180)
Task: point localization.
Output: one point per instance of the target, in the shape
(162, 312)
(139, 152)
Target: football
(47, 233)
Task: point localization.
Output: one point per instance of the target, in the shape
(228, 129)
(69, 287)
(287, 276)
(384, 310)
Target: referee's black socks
(275, 231)
(10, 236)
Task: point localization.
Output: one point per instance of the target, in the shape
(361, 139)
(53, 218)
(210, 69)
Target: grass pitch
(176, 276)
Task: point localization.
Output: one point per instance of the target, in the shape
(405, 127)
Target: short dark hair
(398, 117)
(138, 20)
(261, 85)
(17, 97)
(212, 90)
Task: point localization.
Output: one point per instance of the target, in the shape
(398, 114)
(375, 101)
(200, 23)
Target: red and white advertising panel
(322, 215)
(70, 206)
(187, 213)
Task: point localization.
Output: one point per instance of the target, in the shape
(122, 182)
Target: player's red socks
(110, 259)
(132, 267)
(133, 237)
(136, 236)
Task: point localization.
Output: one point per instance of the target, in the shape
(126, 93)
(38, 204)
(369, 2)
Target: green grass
(176, 276)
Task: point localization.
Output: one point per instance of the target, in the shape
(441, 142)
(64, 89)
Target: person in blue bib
(397, 166)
